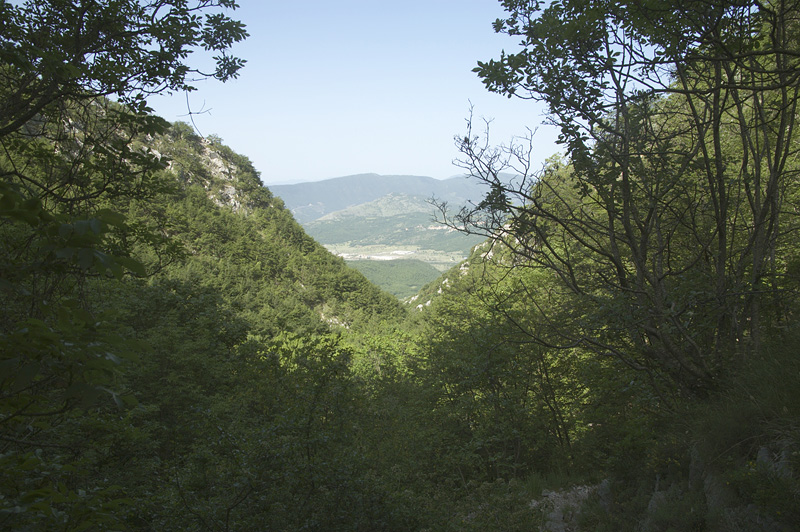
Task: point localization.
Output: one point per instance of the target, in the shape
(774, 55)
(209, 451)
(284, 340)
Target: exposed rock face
(207, 162)
(223, 174)
(561, 508)
(228, 196)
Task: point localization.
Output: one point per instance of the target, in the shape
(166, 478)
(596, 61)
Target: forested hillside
(620, 353)
(154, 339)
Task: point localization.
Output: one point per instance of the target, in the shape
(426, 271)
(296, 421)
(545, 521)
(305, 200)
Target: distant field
(401, 277)
(441, 260)
(398, 230)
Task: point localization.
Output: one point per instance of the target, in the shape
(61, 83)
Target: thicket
(177, 354)
(661, 251)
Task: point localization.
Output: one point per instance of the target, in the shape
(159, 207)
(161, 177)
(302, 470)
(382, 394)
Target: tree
(508, 402)
(72, 51)
(67, 148)
(74, 82)
(678, 121)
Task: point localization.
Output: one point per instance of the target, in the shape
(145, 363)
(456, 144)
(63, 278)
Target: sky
(335, 88)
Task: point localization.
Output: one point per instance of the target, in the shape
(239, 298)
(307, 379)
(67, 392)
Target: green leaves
(670, 115)
(44, 500)
(80, 243)
(15, 206)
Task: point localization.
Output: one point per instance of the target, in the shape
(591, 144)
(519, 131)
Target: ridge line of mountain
(312, 200)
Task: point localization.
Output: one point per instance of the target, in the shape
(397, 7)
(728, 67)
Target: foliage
(498, 505)
(176, 353)
(666, 222)
(505, 400)
(658, 252)
(57, 52)
(68, 157)
(187, 347)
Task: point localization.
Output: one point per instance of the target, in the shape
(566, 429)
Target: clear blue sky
(334, 88)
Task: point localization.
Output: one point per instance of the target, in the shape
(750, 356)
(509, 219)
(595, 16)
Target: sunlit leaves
(679, 124)
(129, 49)
(72, 162)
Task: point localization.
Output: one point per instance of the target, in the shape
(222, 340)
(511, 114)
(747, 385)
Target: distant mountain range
(385, 225)
(310, 201)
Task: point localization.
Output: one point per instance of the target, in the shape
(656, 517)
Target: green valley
(403, 278)
(393, 227)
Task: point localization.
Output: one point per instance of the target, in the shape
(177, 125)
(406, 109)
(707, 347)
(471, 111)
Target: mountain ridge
(310, 201)
(390, 204)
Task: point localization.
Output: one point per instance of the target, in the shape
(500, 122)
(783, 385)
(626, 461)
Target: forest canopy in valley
(619, 353)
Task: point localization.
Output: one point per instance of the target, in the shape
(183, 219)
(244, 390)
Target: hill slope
(230, 216)
(188, 322)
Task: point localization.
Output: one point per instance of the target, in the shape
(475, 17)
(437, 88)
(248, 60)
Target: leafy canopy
(129, 49)
(669, 222)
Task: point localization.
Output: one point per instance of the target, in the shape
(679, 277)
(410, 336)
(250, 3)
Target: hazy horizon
(365, 174)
